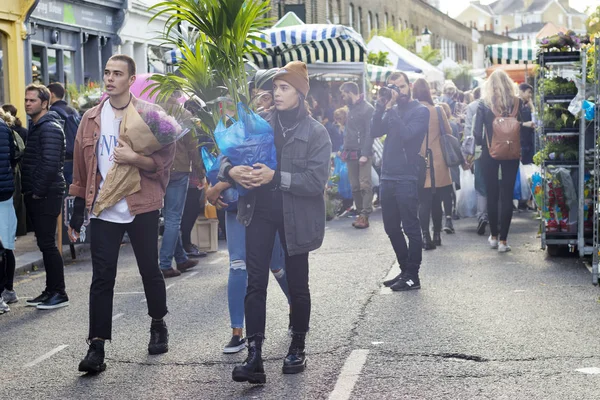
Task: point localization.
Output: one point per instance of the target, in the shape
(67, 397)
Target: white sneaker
(503, 248)
(493, 243)
(4, 308)
(10, 296)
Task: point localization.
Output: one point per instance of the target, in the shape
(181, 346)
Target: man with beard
(358, 144)
(405, 122)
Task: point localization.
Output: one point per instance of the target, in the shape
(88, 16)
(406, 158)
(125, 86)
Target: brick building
(454, 39)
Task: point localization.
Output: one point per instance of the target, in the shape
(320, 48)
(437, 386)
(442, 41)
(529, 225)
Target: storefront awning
(309, 43)
(377, 74)
(519, 52)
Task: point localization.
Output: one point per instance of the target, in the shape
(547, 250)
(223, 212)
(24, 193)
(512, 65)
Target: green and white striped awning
(377, 74)
(518, 52)
(308, 43)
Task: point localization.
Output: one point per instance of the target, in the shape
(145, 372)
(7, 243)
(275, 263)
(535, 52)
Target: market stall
(406, 61)
(517, 59)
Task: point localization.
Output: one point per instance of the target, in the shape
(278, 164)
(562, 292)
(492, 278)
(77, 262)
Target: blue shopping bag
(341, 169)
(212, 164)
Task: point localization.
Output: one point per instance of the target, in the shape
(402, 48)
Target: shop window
(337, 12)
(360, 20)
(68, 67)
(38, 64)
(369, 22)
(377, 22)
(351, 15)
(53, 66)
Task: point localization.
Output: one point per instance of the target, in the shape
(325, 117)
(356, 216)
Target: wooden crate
(205, 234)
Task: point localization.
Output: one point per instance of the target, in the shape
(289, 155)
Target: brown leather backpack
(506, 135)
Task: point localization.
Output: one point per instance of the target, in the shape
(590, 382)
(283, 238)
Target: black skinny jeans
(260, 235)
(191, 211)
(499, 192)
(7, 271)
(106, 242)
(44, 216)
(430, 207)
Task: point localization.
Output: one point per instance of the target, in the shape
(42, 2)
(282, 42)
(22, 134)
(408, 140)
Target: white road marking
(590, 371)
(124, 293)
(519, 291)
(349, 375)
(377, 343)
(46, 356)
(216, 261)
(117, 316)
(395, 270)
(167, 288)
(188, 276)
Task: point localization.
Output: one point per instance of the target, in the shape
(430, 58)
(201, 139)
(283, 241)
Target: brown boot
(356, 221)
(362, 222)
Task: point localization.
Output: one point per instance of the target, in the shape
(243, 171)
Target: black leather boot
(295, 361)
(427, 242)
(437, 238)
(252, 370)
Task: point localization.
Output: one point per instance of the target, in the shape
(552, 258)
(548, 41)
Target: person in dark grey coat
(289, 200)
(43, 185)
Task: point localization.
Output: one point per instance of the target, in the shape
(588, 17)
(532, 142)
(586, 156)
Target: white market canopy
(448, 63)
(518, 52)
(404, 60)
(289, 19)
(377, 74)
(309, 43)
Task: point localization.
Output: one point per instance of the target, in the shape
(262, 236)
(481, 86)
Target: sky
(455, 7)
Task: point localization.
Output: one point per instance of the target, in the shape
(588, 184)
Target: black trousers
(191, 212)
(400, 211)
(44, 216)
(260, 235)
(499, 192)
(7, 271)
(430, 207)
(105, 245)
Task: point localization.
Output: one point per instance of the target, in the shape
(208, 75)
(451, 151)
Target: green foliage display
(557, 149)
(558, 86)
(380, 59)
(557, 117)
(431, 55)
(404, 37)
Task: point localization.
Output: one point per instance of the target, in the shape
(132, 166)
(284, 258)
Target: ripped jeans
(238, 277)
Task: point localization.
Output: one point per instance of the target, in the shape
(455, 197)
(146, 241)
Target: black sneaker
(56, 300)
(94, 360)
(392, 281)
(481, 227)
(235, 345)
(194, 252)
(40, 299)
(406, 283)
(159, 338)
(449, 226)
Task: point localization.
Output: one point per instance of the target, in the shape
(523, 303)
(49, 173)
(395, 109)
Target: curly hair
(6, 117)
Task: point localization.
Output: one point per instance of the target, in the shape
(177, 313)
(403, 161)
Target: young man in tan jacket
(97, 148)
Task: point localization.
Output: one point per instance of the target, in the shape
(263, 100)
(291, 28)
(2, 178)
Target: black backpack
(70, 126)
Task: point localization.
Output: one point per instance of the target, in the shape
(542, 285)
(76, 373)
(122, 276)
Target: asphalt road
(484, 326)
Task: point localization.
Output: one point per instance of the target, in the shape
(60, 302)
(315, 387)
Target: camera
(385, 93)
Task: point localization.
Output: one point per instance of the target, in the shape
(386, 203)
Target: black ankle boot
(437, 238)
(159, 338)
(427, 242)
(94, 360)
(252, 370)
(295, 361)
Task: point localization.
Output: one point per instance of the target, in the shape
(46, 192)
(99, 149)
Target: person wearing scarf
(291, 201)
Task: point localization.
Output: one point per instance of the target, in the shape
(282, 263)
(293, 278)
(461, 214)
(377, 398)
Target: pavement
(484, 326)
(28, 256)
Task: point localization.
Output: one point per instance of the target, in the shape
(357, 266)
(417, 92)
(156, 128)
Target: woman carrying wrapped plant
(288, 201)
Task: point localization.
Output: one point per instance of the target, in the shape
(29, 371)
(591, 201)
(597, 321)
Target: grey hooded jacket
(305, 167)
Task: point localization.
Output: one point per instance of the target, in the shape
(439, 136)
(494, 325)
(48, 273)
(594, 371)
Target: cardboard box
(205, 234)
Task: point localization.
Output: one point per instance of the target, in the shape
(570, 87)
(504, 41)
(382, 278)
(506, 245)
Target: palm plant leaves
(212, 62)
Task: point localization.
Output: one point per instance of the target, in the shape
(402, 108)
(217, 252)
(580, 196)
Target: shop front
(12, 34)
(71, 41)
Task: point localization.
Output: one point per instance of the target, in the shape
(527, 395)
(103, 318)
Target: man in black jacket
(44, 186)
(70, 121)
(405, 122)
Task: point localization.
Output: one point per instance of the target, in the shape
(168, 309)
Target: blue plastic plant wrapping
(341, 169)
(517, 187)
(212, 164)
(247, 141)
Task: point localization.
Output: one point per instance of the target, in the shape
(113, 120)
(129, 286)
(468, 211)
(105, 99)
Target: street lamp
(423, 40)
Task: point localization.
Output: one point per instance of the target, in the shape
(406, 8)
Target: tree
(404, 37)
(432, 56)
(379, 58)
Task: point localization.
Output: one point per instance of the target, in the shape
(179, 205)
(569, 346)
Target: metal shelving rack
(596, 165)
(553, 240)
